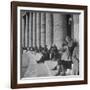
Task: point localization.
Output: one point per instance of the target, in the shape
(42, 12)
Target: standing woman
(71, 45)
(75, 60)
(67, 55)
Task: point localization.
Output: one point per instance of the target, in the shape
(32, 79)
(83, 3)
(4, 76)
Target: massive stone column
(26, 28)
(49, 29)
(60, 28)
(33, 29)
(43, 29)
(22, 29)
(76, 27)
(52, 28)
(37, 28)
(30, 29)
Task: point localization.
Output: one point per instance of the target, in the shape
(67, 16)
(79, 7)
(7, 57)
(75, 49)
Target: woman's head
(68, 38)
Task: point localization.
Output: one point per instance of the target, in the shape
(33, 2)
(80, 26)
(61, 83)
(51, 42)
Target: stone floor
(30, 67)
(41, 69)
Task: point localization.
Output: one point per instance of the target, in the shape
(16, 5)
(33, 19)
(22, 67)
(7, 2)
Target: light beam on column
(26, 28)
(33, 29)
(43, 29)
(22, 28)
(37, 28)
(76, 27)
(30, 29)
(60, 28)
(49, 27)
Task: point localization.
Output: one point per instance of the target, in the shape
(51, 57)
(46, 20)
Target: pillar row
(43, 28)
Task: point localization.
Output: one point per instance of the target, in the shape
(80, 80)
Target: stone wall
(76, 27)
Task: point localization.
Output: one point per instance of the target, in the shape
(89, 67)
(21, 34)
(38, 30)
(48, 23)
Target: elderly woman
(66, 60)
(71, 44)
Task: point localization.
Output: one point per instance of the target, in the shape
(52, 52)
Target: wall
(76, 27)
(59, 29)
(5, 45)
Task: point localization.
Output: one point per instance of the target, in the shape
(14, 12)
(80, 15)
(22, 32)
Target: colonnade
(43, 28)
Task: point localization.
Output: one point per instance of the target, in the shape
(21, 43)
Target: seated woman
(42, 59)
(46, 53)
(53, 52)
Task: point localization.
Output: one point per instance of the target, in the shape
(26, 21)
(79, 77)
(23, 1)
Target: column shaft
(26, 28)
(39, 29)
(76, 27)
(43, 29)
(24, 17)
(22, 30)
(31, 29)
(60, 29)
(49, 29)
(34, 30)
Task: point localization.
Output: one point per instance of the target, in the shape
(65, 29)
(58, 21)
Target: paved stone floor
(30, 67)
(41, 69)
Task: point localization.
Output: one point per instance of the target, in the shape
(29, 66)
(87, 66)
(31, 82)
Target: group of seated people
(47, 54)
(67, 55)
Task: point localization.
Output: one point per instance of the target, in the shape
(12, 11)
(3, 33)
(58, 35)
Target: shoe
(55, 68)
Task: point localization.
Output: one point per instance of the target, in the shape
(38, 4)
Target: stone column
(26, 28)
(76, 27)
(30, 29)
(52, 26)
(60, 28)
(49, 29)
(22, 29)
(34, 30)
(38, 29)
(43, 29)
